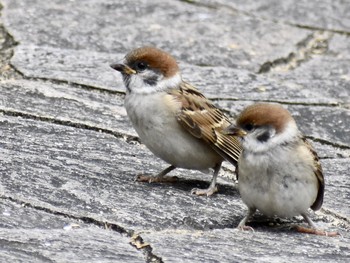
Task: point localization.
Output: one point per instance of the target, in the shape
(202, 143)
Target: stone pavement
(68, 154)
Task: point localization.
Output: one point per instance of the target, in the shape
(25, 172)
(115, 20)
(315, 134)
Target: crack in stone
(333, 144)
(73, 84)
(314, 44)
(146, 250)
(6, 52)
(7, 70)
(343, 219)
(197, 3)
(315, 28)
(126, 137)
(7, 40)
(7, 43)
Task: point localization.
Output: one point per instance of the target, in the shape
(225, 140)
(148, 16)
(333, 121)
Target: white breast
(156, 124)
(282, 183)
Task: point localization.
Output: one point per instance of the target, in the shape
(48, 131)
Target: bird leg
(313, 229)
(159, 178)
(241, 225)
(212, 187)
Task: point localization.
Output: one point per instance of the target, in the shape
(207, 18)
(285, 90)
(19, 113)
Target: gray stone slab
(68, 151)
(31, 235)
(326, 74)
(78, 106)
(84, 67)
(331, 15)
(83, 172)
(336, 172)
(67, 104)
(221, 37)
(18, 216)
(78, 245)
(215, 82)
(230, 245)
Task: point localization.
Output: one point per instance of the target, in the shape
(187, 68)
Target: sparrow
(279, 173)
(173, 119)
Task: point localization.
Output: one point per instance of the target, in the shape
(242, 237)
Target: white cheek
(137, 84)
(171, 82)
(251, 143)
(289, 133)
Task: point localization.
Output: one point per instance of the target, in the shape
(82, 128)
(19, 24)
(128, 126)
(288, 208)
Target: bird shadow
(188, 184)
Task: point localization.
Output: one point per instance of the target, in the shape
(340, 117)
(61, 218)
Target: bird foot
(315, 231)
(208, 192)
(246, 228)
(156, 179)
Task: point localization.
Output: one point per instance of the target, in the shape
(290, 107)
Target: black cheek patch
(152, 81)
(264, 137)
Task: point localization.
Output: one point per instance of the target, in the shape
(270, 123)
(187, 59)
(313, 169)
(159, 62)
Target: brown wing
(204, 121)
(319, 174)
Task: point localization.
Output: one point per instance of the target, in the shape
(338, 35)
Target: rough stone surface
(31, 235)
(230, 245)
(322, 14)
(223, 38)
(66, 104)
(68, 154)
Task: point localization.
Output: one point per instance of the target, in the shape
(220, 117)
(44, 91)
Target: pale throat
(137, 85)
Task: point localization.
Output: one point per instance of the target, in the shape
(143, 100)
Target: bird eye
(248, 127)
(141, 66)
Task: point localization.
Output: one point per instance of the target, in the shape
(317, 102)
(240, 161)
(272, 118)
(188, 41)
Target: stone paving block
(30, 235)
(90, 173)
(231, 245)
(214, 82)
(222, 38)
(78, 172)
(338, 185)
(62, 103)
(77, 66)
(330, 15)
(68, 154)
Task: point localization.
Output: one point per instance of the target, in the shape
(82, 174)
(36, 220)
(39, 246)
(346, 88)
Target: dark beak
(234, 131)
(124, 69)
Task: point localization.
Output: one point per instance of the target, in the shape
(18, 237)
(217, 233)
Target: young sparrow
(279, 173)
(172, 118)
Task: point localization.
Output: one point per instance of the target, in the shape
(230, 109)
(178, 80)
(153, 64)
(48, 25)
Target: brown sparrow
(172, 118)
(279, 173)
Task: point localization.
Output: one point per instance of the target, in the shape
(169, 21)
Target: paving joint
(126, 137)
(136, 240)
(323, 141)
(73, 84)
(315, 43)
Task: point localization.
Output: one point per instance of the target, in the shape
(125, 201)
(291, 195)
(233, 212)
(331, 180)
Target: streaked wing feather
(319, 174)
(203, 120)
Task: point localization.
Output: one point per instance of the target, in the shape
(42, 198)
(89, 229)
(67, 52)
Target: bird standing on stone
(172, 118)
(279, 173)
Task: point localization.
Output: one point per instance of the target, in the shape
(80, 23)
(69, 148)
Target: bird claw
(315, 231)
(245, 228)
(207, 192)
(156, 179)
